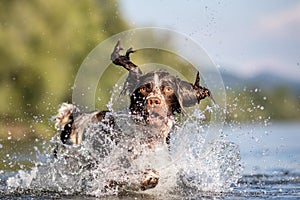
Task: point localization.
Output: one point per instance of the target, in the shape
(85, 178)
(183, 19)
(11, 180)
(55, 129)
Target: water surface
(270, 158)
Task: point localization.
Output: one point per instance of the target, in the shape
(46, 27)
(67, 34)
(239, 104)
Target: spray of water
(101, 166)
(92, 168)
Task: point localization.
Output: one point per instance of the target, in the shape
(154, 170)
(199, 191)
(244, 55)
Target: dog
(155, 98)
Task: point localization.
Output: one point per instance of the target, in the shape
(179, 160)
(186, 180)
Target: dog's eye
(168, 90)
(143, 90)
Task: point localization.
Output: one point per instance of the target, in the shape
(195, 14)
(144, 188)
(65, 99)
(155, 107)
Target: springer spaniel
(155, 97)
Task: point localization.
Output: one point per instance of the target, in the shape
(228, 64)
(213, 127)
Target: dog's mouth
(156, 110)
(156, 117)
(155, 121)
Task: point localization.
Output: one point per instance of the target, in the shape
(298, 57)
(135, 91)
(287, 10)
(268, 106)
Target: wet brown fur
(155, 97)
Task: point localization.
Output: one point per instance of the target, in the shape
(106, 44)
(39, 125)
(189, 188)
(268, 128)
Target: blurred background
(255, 45)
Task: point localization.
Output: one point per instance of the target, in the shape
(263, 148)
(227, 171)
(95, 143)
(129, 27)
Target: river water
(270, 158)
(254, 161)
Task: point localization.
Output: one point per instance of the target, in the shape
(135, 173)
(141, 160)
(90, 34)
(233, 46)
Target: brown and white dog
(155, 98)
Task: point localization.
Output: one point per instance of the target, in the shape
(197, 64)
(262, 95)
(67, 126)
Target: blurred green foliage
(42, 44)
(257, 105)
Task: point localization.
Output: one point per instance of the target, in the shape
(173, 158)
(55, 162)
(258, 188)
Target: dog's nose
(153, 101)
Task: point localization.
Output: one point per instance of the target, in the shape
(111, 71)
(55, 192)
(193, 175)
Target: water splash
(86, 169)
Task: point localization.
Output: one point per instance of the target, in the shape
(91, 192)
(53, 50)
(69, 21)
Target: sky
(242, 37)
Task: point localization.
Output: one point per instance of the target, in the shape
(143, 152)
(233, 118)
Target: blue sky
(242, 37)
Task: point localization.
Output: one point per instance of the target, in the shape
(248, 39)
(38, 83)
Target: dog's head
(156, 96)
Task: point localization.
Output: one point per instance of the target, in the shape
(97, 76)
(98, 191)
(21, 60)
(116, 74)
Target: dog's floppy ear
(124, 61)
(191, 94)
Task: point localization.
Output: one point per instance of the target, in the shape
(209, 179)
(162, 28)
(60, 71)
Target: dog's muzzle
(153, 102)
(157, 110)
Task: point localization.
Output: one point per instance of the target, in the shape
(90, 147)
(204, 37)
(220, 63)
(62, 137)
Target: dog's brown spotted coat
(155, 98)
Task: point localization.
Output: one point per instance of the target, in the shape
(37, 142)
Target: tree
(42, 44)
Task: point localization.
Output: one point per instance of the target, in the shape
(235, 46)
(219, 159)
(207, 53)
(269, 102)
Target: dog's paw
(64, 114)
(150, 179)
